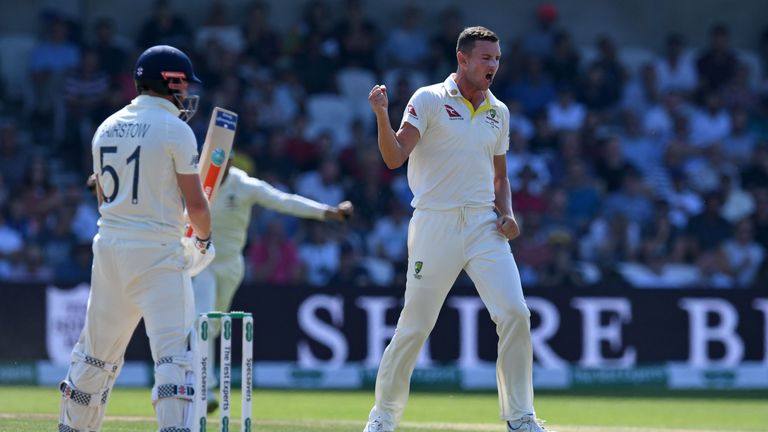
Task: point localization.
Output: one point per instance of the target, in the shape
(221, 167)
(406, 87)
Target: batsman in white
(216, 285)
(456, 134)
(145, 161)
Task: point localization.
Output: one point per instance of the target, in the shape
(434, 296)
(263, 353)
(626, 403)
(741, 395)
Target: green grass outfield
(34, 409)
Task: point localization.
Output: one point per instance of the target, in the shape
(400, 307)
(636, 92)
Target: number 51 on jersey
(214, 156)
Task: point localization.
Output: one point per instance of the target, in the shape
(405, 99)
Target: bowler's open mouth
(489, 77)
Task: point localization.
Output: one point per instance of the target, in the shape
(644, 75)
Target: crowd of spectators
(650, 173)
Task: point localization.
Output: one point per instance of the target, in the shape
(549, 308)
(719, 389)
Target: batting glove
(203, 245)
(199, 252)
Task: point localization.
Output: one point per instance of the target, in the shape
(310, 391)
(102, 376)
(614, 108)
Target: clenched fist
(507, 226)
(378, 99)
(340, 213)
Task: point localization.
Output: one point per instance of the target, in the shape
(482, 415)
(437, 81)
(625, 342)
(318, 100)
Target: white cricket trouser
(440, 245)
(134, 279)
(216, 285)
(214, 288)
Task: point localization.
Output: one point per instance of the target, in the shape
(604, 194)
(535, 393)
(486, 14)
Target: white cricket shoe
(527, 423)
(377, 424)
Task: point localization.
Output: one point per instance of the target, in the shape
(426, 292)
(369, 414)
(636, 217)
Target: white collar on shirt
(453, 90)
(158, 101)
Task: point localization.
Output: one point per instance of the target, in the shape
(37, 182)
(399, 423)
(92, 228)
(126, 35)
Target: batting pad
(173, 393)
(84, 393)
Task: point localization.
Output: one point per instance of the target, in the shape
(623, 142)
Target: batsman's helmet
(158, 69)
(166, 71)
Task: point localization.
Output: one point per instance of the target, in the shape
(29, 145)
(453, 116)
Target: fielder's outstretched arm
(266, 195)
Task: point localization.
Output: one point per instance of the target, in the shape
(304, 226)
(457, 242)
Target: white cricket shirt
(231, 210)
(136, 153)
(452, 164)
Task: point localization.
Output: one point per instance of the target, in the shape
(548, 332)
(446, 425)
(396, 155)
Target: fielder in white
(145, 161)
(216, 285)
(455, 135)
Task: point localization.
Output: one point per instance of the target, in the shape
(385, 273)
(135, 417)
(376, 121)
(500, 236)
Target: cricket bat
(215, 153)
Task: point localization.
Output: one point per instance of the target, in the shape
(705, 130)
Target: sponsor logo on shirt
(491, 118)
(417, 266)
(452, 113)
(412, 111)
(195, 160)
(231, 201)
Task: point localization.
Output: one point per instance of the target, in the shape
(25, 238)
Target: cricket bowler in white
(216, 285)
(145, 164)
(455, 135)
